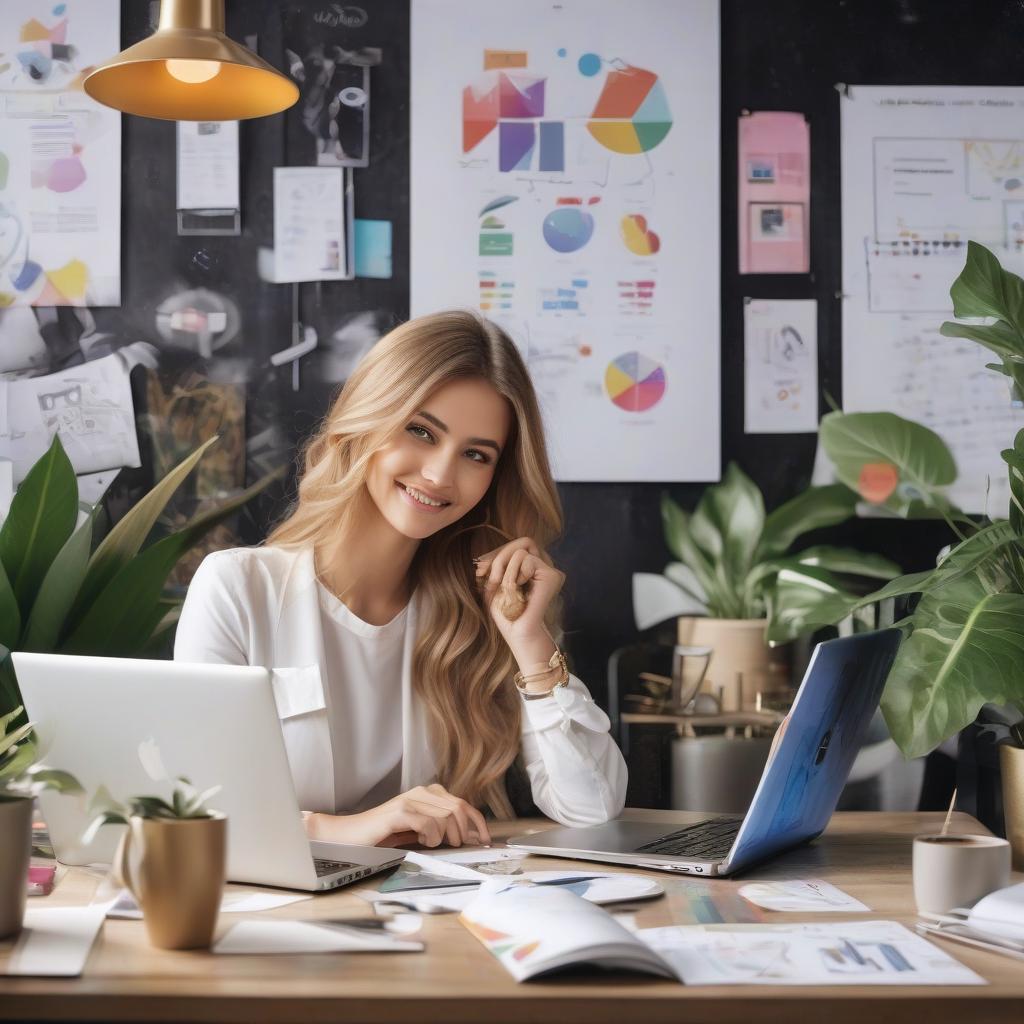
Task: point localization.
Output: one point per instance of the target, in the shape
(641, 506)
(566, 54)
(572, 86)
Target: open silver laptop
(214, 724)
(798, 790)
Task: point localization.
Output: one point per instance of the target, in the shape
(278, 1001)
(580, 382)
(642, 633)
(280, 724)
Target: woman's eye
(421, 432)
(478, 456)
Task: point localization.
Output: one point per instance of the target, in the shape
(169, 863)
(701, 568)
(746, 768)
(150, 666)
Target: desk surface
(456, 980)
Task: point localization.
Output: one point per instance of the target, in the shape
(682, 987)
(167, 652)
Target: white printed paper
(285, 937)
(810, 895)
(208, 165)
(90, 406)
(55, 941)
(565, 169)
(125, 905)
(833, 953)
(60, 156)
(925, 170)
(309, 224)
(781, 366)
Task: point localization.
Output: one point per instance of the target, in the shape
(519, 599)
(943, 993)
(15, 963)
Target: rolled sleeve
(577, 773)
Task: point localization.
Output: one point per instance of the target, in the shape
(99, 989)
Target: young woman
(408, 608)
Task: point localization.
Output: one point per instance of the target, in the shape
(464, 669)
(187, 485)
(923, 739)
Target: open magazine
(995, 922)
(534, 930)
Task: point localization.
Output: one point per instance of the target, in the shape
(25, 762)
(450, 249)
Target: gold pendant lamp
(189, 70)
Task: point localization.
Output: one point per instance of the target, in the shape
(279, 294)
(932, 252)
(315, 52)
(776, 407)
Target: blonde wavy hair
(461, 665)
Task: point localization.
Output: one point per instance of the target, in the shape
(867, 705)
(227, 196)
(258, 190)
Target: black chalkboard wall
(775, 56)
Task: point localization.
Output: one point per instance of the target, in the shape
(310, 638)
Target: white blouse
(355, 730)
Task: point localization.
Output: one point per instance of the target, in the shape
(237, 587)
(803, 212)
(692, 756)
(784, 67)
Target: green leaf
(813, 509)
(860, 441)
(52, 778)
(848, 561)
(1014, 458)
(121, 619)
(42, 516)
(727, 525)
(58, 591)
(10, 613)
(966, 650)
(24, 756)
(9, 740)
(999, 337)
(984, 289)
(124, 541)
(676, 523)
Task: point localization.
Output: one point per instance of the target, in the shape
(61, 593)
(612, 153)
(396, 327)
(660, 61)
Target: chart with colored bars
(634, 382)
(496, 293)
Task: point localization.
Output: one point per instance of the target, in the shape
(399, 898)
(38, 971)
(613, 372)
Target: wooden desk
(456, 980)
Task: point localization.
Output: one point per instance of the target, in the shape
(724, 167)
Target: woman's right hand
(429, 815)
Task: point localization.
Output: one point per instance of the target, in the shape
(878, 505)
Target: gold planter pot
(15, 849)
(175, 868)
(742, 664)
(1011, 767)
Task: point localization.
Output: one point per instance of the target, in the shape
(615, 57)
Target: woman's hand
(429, 815)
(519, 583)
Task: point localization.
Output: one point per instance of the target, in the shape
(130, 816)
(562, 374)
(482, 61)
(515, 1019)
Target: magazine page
(533, 929)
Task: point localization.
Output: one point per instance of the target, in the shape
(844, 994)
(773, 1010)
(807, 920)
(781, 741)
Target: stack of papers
(995, 922)
(447, 883)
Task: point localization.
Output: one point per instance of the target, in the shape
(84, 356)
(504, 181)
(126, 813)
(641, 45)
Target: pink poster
(774, 193)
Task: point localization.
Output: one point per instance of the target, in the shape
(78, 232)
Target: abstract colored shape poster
(565, 183)
(60, 156)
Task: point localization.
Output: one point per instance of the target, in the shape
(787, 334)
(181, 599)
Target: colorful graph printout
(60, 157)
(565, 163)
(634, 382)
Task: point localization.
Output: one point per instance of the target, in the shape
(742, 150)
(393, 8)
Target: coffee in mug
(956, 870)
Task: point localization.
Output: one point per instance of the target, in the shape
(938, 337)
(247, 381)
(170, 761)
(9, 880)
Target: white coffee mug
(956, 870)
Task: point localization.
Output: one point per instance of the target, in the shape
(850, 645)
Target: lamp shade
(189, 70)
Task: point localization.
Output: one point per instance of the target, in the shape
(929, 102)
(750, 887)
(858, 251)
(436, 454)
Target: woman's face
(440, 464)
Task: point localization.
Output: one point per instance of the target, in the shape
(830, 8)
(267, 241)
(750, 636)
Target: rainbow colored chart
(631, 114)
(634, 382)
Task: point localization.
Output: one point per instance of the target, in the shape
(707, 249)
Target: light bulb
(193, 71)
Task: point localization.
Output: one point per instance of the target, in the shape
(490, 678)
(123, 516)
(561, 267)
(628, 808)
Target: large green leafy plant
(58, 594)
(730, 552)
(965, 639)
(20, 773)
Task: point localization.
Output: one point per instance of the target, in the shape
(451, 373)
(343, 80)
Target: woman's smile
(421, 500)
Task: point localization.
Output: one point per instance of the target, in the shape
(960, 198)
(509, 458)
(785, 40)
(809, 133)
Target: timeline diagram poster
(924, 171)
(565, 182)
(60, 156)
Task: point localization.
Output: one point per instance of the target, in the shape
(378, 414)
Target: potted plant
(59, 594)
(172, 856)
(964, 645)
(20, 779)
(730, 554)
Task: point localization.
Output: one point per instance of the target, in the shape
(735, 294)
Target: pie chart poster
(565, 176)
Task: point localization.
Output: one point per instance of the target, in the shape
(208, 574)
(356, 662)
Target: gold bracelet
(557, 661)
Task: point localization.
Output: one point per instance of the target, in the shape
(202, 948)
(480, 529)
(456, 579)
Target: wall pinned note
(781, 366)
(774, 193)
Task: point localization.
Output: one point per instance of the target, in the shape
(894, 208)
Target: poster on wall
(60, 156)
(565, 182)
(774, 193)
(924, 171)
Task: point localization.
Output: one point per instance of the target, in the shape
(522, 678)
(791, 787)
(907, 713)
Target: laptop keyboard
(707, 840)
(329, 867)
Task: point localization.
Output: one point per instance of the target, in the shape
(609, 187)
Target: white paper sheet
(309, 224)
(208, 165)
(809, 895)
(55, 941)
(90, 406)
(924, 170)
(780, 339)
(832, 953)
(565, 174)
(60, 177)
(288, 937)
(124, 905)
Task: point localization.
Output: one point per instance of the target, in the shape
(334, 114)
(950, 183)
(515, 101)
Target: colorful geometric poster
(924, 171)
(565, 178)
(60, 156)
